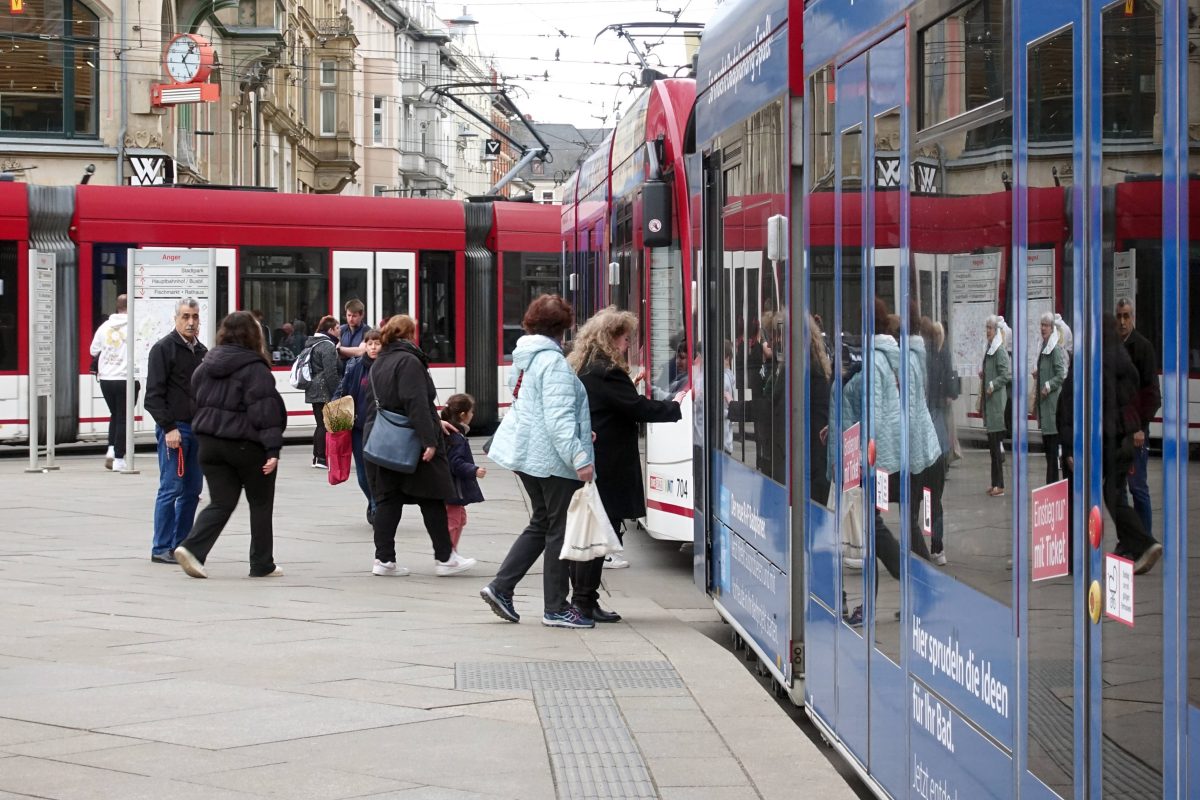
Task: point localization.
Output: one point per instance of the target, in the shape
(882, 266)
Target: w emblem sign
(151, 170)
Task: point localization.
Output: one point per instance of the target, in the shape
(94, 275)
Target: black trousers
(586, 576)
(319, 435)
(1131, 534)
(1050, 443)
(547, 527)
(114, 398)
(231, 465)
(389, 508)
(994, 441)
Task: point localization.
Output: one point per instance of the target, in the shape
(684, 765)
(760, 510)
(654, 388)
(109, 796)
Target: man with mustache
(172, 402)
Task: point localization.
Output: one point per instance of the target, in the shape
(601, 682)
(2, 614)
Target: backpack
(301, 374)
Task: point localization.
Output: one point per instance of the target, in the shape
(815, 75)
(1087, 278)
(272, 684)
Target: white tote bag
(853, 546)
(589, 533)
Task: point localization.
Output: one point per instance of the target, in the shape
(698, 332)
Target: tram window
(668, 345)
(961, 235)
(526, 275)
(286, 285)
(1191, 500)
(1130, 39)
(436, 301)
(108, 278)
(821, 139)
(962, 61)
(8, 306)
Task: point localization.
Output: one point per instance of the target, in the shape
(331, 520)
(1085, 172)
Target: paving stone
(300, 782)
(722, 770)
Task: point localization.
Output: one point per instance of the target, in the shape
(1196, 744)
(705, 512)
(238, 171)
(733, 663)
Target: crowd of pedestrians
(219, 417)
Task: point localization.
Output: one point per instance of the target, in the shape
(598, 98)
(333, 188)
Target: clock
(188, 58)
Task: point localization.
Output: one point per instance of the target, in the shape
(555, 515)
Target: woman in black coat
(598, 355)
(400, 382)
(239, 424)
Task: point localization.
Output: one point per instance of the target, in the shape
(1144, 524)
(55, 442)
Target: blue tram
(946, 314)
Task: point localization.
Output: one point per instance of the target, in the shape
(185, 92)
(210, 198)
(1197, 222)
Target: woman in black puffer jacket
(239, 422)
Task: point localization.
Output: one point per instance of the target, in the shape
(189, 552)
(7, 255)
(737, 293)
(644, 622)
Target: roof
(569, 146)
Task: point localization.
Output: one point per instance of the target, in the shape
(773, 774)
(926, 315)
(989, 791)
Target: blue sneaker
(502, 606)
(570, 617)
(855, 618)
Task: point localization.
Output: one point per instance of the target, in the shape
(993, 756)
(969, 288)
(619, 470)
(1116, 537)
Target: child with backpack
(459, 411)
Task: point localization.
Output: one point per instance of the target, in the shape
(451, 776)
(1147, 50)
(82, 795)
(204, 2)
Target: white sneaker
(109, 455)
(118, 465)
(388, 569)
(191, 565)
(939, 558)
(615, 561)
(453, 565)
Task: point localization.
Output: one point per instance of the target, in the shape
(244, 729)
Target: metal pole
(130, 359)
(529, 156)
(32, 382)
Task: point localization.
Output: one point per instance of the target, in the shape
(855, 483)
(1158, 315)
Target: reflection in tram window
(1131, 275)
(435, 296)
(1191, 450)
(287, 285)
(820, 373)
(961, 63)
(960, 230)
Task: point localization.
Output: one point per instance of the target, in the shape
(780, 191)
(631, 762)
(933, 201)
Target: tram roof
(215, 218)
(530, 227)
(14, 211)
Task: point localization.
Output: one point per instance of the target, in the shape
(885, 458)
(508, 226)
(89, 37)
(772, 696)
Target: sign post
(42, 277)
(157, 281)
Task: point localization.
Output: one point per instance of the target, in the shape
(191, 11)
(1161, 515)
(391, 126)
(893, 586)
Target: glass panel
(821, 297)
(962, 61)
(850, 382)
(86, 81)
(352, 285)
(526, 275)
(960, 228)
(1191, 502)
(435, 296)
(1049, 291)
(286, 285)
(1132, 277)
(32, 96)
(394, 292)
(328, 113)
(8, 306)
(741, 333)
(667, 334)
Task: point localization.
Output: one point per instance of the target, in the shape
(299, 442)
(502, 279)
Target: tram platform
(120, 678)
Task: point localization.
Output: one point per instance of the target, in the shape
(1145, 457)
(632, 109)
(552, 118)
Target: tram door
(383, 281)
(1101, 432)
(866, 401)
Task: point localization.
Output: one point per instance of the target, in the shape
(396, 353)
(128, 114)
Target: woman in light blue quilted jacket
(546, 438)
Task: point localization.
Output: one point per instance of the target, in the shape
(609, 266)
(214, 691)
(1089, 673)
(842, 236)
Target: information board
(1039, 299)
(158, 280)
(41, 323)
(973, 286)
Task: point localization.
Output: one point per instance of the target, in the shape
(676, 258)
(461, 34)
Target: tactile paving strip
(592, 753)
(500, 676)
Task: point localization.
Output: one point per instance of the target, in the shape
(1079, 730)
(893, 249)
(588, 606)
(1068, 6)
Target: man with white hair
(1149, 399)
(172, 403)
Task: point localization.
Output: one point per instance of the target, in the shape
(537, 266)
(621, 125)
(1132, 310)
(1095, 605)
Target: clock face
(183, 59)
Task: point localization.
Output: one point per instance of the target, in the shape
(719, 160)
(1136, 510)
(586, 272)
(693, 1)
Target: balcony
(335, 165)
(411, 88)
(339, 27)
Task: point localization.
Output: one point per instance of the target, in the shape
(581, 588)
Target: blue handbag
(393, 443)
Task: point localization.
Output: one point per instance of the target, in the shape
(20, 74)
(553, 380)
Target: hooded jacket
(236, 398)
(325, 371)
(923, 447)
(109, 345)
(548, 430)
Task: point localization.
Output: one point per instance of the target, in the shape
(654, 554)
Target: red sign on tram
(1050, 531)
(851, 457)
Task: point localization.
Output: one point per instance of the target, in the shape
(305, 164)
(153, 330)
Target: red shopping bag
(339, 447)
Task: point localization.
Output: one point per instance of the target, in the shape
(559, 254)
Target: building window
(51, 70)
(378, 190)
(377, 120)
(305, 103)
(548, 197)
(328, 98)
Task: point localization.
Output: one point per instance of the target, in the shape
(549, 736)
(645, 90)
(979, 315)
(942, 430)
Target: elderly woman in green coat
(993, 392)
(1048, 382)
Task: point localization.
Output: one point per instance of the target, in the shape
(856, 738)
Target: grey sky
(582, 89)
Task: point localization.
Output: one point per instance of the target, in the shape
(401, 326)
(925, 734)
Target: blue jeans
(175, 507)
(360, 466)
(1139, 486)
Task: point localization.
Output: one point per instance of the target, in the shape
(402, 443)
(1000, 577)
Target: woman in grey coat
(993, 393)
(1048, 380)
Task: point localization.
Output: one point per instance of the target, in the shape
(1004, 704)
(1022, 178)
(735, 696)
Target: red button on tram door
(1095, 527)
(870, 452)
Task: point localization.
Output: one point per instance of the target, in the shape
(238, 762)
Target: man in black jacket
(1147, 402)
(172, 403)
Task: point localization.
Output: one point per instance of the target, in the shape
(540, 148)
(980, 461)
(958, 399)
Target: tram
(463, 270)
(626, 239)
(1005, 622)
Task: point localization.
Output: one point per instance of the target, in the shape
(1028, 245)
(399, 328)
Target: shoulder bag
(393, 443)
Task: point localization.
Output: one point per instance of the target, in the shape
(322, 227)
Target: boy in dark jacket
(459, 411)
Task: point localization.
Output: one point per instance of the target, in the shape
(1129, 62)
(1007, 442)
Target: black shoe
(163, 558)
(598, 614)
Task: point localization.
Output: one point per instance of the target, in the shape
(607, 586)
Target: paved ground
(124, 679)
